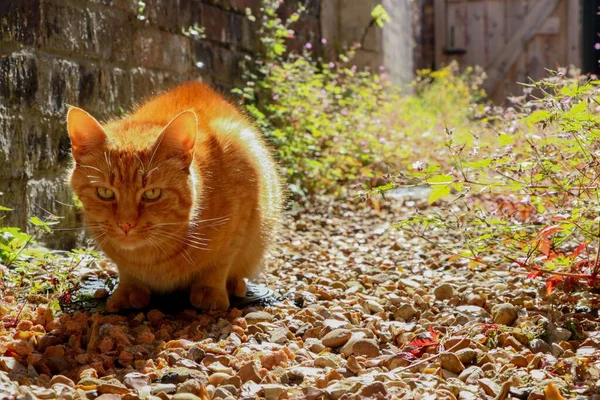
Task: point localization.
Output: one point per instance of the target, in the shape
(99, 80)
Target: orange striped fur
(218, 196)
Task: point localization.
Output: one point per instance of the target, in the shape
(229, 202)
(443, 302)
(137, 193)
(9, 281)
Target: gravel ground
(364, 312)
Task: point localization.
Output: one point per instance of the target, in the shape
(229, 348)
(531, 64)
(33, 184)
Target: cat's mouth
(129, 242)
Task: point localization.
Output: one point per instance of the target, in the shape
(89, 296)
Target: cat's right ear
(85, 132)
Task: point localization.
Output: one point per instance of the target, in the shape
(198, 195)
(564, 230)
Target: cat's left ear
(179, 136)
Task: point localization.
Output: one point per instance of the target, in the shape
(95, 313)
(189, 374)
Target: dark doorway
(591, 36)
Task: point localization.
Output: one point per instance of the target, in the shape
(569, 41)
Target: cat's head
(133, 179)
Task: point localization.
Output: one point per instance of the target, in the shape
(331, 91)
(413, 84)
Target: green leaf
(41, 224)
(5, 209)
(380, 15)
(440, 187)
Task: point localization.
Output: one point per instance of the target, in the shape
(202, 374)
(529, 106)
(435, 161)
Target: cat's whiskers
(186, 256)
(192, 242)
(188, 235)
(188, 242)
(94, 168)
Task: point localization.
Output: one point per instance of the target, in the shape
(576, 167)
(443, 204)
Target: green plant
(524, 185)
(332, 123)
(29, 269)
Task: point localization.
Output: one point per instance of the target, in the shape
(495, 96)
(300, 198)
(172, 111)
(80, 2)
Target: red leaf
(578, 250)
(552, 282)
(545, 246)
(547, 231)
(534, 274)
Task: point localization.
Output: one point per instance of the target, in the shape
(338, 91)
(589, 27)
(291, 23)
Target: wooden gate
(512, 39)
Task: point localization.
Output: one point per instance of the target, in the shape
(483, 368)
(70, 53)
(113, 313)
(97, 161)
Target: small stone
(405, 312)
(504, 314)
(466, 356)
(225, 391)
(273, 391)
(519, 361)
(476, 299)
(353, 365)
(451, 362)
(471, 374)
(217, 377)
(557, 351)
(258, 316)
(444, 292)
(185, 396)
(374, 306)
(326, 360)
(490, 387)
(365, 347)
(249, 372)
(61, 379)
(373, 390)
(336, 338)
(558, 335)
(164, 388)
(473, 313)
(136, 380)
(112, 387)
(539, 346)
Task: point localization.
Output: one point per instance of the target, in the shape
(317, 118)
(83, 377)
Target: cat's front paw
(128, 297)
(209, 298)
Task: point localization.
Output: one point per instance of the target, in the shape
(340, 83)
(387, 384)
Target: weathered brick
(12, 154)
(215, 22)
(147, 83)
(242, 5)
(58, 82)
(20, 21)
(158, 49)
(103, 90)
(52, 194)
(13, 194)
(89, 32)
(18, 78)
(171, 15)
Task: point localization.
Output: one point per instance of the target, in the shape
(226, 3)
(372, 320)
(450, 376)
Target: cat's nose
(126, 226)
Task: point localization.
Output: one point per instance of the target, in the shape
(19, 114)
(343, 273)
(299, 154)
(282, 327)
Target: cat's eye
(151, 194)
(105, 193)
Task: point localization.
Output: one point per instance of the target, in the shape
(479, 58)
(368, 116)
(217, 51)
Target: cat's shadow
(172, 303)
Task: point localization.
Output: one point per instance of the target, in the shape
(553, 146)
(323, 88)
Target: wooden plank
(439, 14)
(495, 32)
(475, 35)
(500, 64)
(456, 37)
(574, 33)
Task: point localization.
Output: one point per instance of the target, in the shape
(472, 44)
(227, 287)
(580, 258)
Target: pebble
(504, 314)
(255, 317)
(374, 389)
(490, 387)
(405, 312)
(61, 379)
(539, 346)
(163, 387)
(558, 335)
(336, 338)
(451, 363)
(185, 396)
(444, 291)
(466, 356)
(249, 372)
(273, 391)
(136, 380)
(365, 347)
(471, 374)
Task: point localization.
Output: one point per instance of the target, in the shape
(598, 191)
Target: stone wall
(104, 56)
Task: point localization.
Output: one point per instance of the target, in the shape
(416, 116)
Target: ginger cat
(181, 194)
